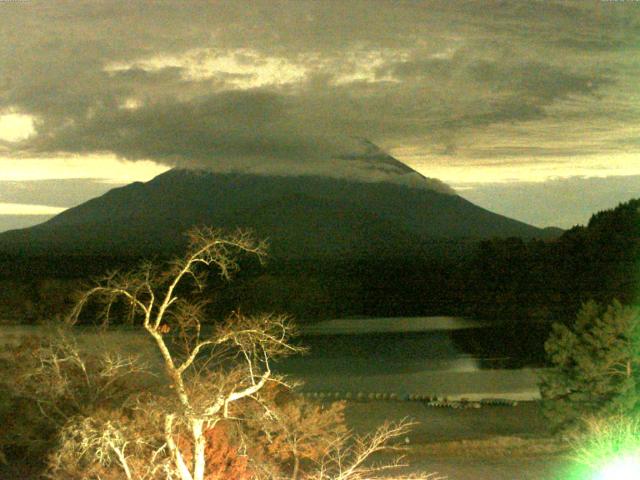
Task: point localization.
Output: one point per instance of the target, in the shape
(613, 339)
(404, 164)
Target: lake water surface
(429, 356)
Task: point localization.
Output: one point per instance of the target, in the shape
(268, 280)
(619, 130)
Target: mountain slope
(301, 215)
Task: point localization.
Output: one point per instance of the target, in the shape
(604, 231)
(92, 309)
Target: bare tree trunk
(296, 465)
(182, 468)
(198, 449)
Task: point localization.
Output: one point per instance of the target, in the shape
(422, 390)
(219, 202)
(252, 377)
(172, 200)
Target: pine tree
(595, 365)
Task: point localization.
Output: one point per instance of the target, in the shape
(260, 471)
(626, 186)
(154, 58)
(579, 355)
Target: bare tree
(241, 348)
(212, 372)
(352, 457)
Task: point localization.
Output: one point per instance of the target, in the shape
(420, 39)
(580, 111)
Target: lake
(427, 357)
(430, 357)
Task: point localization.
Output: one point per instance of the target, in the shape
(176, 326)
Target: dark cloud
(599, 43)
(498, 89)
(534, 155)
(535, 80)
(433, 74)
(233, 126)
(438, 68)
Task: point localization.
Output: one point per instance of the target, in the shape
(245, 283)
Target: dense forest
(500, 280)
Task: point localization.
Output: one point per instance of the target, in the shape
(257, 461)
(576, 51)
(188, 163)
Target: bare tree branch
(211, 376)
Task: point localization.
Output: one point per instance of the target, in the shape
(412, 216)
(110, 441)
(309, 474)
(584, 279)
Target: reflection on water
(404, 345)
(384, 345)
(352, 326)
(381, 353)
(439, 357)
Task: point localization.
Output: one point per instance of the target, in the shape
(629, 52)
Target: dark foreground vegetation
(207, 407)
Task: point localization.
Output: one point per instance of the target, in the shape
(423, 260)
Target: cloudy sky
(529, 108)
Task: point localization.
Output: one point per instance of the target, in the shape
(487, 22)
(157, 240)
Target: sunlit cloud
(529, 169)
(365, 65)
(16, 126)
(27, 209)
(246, 68)
(107, 167)
(131, 104)
(241, 68)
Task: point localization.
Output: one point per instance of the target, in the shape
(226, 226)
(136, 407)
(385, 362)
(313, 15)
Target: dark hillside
(302, 216)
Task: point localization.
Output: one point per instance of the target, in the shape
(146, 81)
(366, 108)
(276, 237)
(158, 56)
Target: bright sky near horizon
(531, 109)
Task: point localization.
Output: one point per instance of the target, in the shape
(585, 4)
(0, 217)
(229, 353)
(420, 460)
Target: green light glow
(622, 468)
(609, 449)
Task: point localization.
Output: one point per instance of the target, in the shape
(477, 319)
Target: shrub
(47, 384)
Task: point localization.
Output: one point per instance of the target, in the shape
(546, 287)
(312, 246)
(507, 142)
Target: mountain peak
(365, 163)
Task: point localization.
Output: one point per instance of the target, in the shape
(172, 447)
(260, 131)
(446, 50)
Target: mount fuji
(363, 204)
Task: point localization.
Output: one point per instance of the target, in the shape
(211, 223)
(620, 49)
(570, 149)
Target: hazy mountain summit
(367, 203)
(364, 162)
(372, 164)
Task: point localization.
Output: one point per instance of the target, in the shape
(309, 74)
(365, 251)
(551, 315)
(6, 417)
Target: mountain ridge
(326, 216)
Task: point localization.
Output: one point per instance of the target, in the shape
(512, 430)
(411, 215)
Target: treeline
(549, 281)
(40, 288)
(502, 280)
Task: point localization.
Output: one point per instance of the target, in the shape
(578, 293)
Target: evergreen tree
(595, 365)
